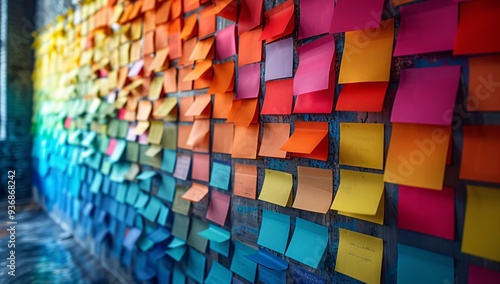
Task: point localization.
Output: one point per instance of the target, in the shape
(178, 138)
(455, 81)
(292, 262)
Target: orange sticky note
(196, 192)
(417, 155)
(222, 141)
(222, 105)
(204, 81)
(245, 181)
(199, 69)
(163, 12)
(200, 167)
(478, 24)
(187, 49)
(170, 80)
(183, 135)
(309, 140)
(250, 47)
(175, 45)
(243, 112)
(144, 110)
(245, 141)
(176, 9)
(223, 78)
(158, 62)
(370, 61)
(481, 154)
(148, 5)
(484, 92)
(278, 98)
(184, 104)
(200, 129)
(189, 30)
(149, 21)
(149, 43)
(202, 49)
(224, 8)
(280, 22)
(207, 23)
(161, 37)
(368, 96)
(190, 5)
(200, 107)
(184, 85)
(275, 135)
(314, 190)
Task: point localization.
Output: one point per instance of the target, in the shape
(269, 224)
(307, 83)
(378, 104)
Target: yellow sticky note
(378, 218)
(362, 145)
(481, 229)
(156, 88)
(155, 132)
(167, 105)
(359, 192)
(141, 127)
(277, 188)
(360, 256)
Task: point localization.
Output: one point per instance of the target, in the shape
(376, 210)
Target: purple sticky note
(315, 17)
(136, 68)
(248, 81)
(355, 15)
(131, 136)
(279, 59)
(479, 275)
(143, 138)
(182, 166)
(427, 27)
(225, 44)
(426, 95)
(218, 207)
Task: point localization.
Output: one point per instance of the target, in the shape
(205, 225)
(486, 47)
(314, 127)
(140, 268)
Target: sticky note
(155, 132)
(358, 192)
(118, 150)
(206, 24)
(250, 47)
(221, 174)
(315, 18)
(426, 27)
(362, 145)
(479, 275)
(368, 14)
(201, 68)
(180, 227)
(433, 89)
(218, 207)
(480, 237)
(309, 140)
(481, 155)
(366, 97)
(201, 167)
(315, 61)
(271, 262)
(131, 238)
(274, 231)
(176, 249)
(222, 141)
(196, 265)
(196, 192)
(482, 95)
(370, 61)
(170, 80)
(245, 141)
(314, 189)
(167, 188)
(278, 97)
(248, 81)
(153, 209)
(184, 131)
(241, 265)
(219, 274)
(308, 243)
(279, 59)
(180, 204)
(169, 138)
(194, 239)
(144, 110)
(168, 162)
(199, 131)
(222, 105)
(360, 256)
(432, 267)
(478, 21)
(183, 83)
(223, 78)
(438, 218)
(141, 127)
(417, 155)
(219, 239)
(225, 43)
(318, 102)
(277, 188)
(250, 15)
(243, 112)
(202, 49)
(156, 88)
(275, 135)
(182, 166)
(245, 181)
(280, 21)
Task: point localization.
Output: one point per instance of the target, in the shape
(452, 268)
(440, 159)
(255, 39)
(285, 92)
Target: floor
(45, 253)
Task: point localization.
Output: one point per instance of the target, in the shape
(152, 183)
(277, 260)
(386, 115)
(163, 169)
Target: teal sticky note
(144, 243)
(89, 138)
(121, 192)
(219, 239)
(274, 231)
(145, 184)
(146, 175)
(180, 227)
(168, 162)
(152, 209)
(308, 243)
(196, 265)
(163, 216)
(176, 249)
(178, 277)
(241, 265)
(118, 151)
(194, 240)
(421, 266)
(96, 183)
(142, 200)
(167, 188)
(132, 193)
(106, 166)
(220, 176)
(118, 172)
(219, 274)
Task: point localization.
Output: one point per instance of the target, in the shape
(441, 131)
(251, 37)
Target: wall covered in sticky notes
(258, 141)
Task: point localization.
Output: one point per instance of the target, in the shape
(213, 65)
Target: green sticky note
(122, 129)
(274, 231)
(221, 174)
(113, 128)
(196, 265)
(118, 172)
(241, 265)
(219, 239)
(121, 192)
(178, 276)
(219, 274)
(94, 161)
(96, 183)
(169, 138)
(103, 144)
(106, 166)
(132, 193)
(132, 153)
(150, 161)
(153, 209)
(195, 240)
(168, 162)
(167, 188)
(181, 205)
(308, 243)
(180, 227)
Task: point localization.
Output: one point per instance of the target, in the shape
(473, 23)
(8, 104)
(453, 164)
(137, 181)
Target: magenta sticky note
(315, 62)
(225, 44)
(315, 17)
(218, 207)
(479, 275)
(427, 211)
(355, 15)
(279, 59)
(248, 81)
(136, 68)
(427, 27)
(426, 95)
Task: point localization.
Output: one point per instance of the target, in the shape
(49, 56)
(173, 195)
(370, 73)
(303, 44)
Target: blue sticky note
(159, 235)
(164, 274)
(144, 243)
(87, 210)
(178, 276)
(308, 243)
(220, 176)
(131, 238)
(176, 249)
(274, 231)
(167, 189)
(146, 175)
(163, 216)
(142, 200)
(270, 276)
(168, 162)
(157, 252)
(219, 239)
(130, 219)
(421, 266)
(96, 183)
(121, 213)
(196, 265)
(241, 265)
(153, 209)
(142, 269)
(132, 193)
(121, 193)
(76, 209)
(218, 274)
(267, 259)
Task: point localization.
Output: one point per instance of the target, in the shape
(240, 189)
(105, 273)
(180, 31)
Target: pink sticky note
(479, 275)
(315, 102)
(131, 136)
(201, 167)
(427, 27)
(427, 211)
(355, 15)
(248, 81)
(315, 17)
(218, 207)
(111, 146)
(315, 61)
(279, 59)
(122, 113)
(225, 44)
(67, 122)
(136, 68)
(426, 95)
(143, 138)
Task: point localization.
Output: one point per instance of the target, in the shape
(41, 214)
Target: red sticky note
(218, 207)
(250, 15)
(278, 98)
(368, 96)
(479, 275)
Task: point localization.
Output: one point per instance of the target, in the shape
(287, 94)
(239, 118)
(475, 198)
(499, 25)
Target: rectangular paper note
(248, 81)
(245, 181)
(242, 265)
(218, 207)
(275, 135)
(279, 59)
(432, 267)
(274, 231)
(308, 243)
(353, 15)
(222, 141)
(245, 142)
(182, 166)
(277, 188)
(362, 145)
(314, 189)
(368, 96)
(482, 70)
(196, 192)
(221, 174)
(309, 140)
(278, 97)
(315, 17)
(225, 44)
